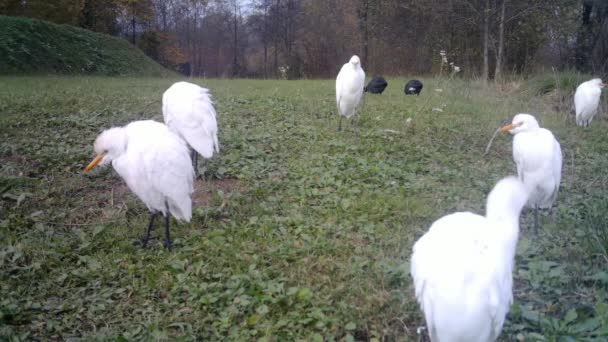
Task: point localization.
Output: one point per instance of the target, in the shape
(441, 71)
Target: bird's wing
(451, 266)
(449, 252)
(188, 110)
(360, 83)
(165, 163)
(500, 300)
(586, 100)
(170, 170)
(557, 167)
(340, 85)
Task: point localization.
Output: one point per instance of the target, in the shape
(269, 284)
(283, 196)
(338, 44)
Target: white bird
(349, 88)
(462, 268)
(188, 111)
(587, 99)
(155, 164)
(538, 157)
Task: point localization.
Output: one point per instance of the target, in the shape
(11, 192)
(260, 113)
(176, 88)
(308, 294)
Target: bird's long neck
(506, 231)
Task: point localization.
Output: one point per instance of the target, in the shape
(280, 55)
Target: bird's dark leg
(195, 162)
(340, 124)
(536, 218)
(146, 238)
(205, 162)
(167, 236)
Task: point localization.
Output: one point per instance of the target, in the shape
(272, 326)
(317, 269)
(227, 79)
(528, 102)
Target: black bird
(376, 85)
(413, 87)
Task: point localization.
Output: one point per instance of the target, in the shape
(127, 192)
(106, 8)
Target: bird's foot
(143, 242)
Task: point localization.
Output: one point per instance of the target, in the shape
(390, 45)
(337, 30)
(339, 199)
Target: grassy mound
(31, 46)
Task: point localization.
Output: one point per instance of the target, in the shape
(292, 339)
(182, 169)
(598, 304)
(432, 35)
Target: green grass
(300, 233)
(31, 46)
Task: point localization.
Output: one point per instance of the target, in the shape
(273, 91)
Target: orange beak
(95, 161)
(510, 127)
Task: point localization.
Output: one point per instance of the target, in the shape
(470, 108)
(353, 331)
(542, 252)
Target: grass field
(300, 232)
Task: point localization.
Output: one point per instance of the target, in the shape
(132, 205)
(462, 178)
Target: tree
(100, 16)
(501, 42)
(57, 11)
(136, 12)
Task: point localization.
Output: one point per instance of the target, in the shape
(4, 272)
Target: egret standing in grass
(349, 89)
(462, 268)
(188, 111)
(586, 100)
(538, 157)
(154, 163)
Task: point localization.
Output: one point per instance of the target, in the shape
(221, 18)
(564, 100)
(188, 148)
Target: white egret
(154, 163)
(538, 157)
(349, 88)
(586, 100)
(188, 111)
(462, 268)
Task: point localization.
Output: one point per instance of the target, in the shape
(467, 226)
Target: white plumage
(188, 111)
(154, 163)
(462, 268)
(349, 88)
(538, 157)
(586, 101)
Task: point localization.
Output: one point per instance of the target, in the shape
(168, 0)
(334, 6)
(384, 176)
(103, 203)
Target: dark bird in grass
(376, 85)
(413, 87)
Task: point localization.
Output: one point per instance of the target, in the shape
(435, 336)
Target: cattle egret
(376, 85)
(413, 87)
(188, 111)
(349, 88)
(587, 99)
(538, 157)
(154, 163)
(462, 268)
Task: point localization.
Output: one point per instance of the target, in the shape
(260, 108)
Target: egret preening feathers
(587, 99)
(154, 163)
(462, 268)
(538, 157)
(349, 88)
(188, 111)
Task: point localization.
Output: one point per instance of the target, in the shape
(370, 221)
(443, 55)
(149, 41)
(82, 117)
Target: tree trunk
(265, 39)
(486, 41)
(276, 56)
(133, 29)
(583, 39)
(235, 61)
(501, 43)
(364, 26)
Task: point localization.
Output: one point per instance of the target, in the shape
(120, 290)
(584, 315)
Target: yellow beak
(604, 85)
(95, 161)
(510, 127)
(507, 128)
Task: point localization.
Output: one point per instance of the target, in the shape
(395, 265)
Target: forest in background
(313, 38)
